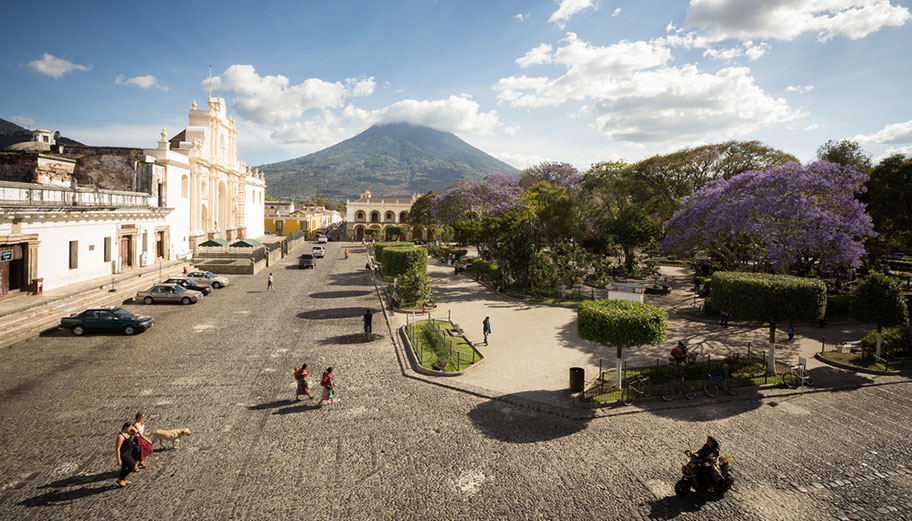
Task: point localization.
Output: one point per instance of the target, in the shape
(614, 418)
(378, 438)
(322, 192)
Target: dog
(172, 435)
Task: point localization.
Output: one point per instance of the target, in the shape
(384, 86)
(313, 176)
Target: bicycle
(795, 379)
(639, 385)
(714, 383)
(687, 388)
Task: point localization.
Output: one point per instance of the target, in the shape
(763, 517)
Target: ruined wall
(114, 172)
(31, 167)
(55, 171)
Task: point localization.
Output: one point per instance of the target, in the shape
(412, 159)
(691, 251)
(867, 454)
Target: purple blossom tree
(790, 215)
(559, 174)
(472, 200)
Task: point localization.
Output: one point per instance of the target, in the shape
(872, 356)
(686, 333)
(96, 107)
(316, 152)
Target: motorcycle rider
(708, 456)
(346, 253)
(679, 353)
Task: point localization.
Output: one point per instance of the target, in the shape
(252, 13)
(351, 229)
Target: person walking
(270, 283)
(329, 387)
(142, 446)
(368, 320)
(665, 286)
(791, 332)
(724, 321)
(124, 452)
(302, 376)
(486, 328)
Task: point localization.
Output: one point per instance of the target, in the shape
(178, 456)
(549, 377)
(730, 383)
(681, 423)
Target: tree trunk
(879, 337)
(771, 354)
(619, 369)
(628, 258)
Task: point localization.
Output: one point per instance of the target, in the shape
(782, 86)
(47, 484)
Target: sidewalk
(532, 346)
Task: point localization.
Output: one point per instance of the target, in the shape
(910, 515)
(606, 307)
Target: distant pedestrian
(368, 319)
(486, 328)
(270, 283)
(791, 332)
(665, 286)
(142, 446)
(724, 322)
(329, 387)
(124, 452)
(302, 376)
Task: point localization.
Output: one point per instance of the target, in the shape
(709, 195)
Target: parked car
(107, 318)
(207, 277)
(307, 260)
(205, 289)
(322, 239)
(318, 251)
(169, 293)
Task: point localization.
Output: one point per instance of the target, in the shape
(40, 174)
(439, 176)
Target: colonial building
(379, 214)
(70, 213)
(310, 219)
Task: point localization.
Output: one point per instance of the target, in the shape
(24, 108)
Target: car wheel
(129, 330)
(78, 330)
(148, 300)
(186, 300)
(216, 284)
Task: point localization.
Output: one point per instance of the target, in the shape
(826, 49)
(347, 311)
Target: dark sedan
(106, 319)
(205, 289)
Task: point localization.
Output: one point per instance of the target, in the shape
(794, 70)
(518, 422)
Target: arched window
(390, 216)
(403, 216)
(359, 215)
(185, 187)
(375, 216)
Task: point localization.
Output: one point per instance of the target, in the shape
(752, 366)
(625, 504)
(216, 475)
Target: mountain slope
(396, 159)
(11, 133)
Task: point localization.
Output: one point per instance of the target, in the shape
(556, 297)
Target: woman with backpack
(329, 389)
(302, 376)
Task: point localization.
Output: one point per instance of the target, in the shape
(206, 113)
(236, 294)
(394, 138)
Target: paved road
(395, 447)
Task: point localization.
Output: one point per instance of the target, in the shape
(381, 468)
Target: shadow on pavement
(354, 338)
(324, 314)
(356, 278)
(339, 294)
(703, 408)
(671, 507)
(64, 496)
(503, 420)
(271, 405)
(301, 407)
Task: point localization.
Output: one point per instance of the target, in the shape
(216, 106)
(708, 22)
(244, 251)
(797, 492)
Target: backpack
(297, 374)
(325, 380)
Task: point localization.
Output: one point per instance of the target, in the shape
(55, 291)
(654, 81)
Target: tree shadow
(517, 417)
(333, 313)
(356, 278)
(270, 405)
(339, 294)
(354, 338)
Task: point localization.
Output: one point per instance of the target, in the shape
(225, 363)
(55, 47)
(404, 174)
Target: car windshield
(178, 289)
(121, 313)
(209, 274)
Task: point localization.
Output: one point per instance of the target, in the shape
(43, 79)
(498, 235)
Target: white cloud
(616, 12)
(812, 126)
(893, 134)
(314, 131)
(787, 19)
(272, 100)
(454, 114)
(755, 50)
(55, 67)
(143, 82)
(723, 54)
(22, 121)
(904, 150)
(520, 161)
(537, 56)
(750, 49)
(520, 16)
(800, 89)
(567, 9)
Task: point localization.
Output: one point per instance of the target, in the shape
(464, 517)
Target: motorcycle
(699, 477)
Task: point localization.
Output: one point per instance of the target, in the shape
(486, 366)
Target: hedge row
(767, 297)
(485, 270)
(447, 251)
(377, 248)
(839, 304)
(899, 265)
(399, 260)
(621, 323)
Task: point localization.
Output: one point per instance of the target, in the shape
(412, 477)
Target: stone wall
(114, 172)
(31, 167)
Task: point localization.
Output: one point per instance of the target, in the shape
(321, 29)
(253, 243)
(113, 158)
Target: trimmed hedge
(403, 259)
(899, 265)
(879, 299)
(377, 249)
(839, 304)
(621, 323)
(769, 298)
(485, 270)
(414, 286)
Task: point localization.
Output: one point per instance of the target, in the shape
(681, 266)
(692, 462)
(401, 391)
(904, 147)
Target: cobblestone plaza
(395, 446)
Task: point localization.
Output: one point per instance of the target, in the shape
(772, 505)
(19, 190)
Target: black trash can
(577, 379)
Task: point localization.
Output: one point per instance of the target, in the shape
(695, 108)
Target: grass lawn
(431, 342)
(868, 362)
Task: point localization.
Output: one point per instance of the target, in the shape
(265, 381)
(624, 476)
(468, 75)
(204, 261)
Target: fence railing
(431, 331)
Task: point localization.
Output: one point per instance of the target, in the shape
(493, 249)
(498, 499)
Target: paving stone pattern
(395, 447)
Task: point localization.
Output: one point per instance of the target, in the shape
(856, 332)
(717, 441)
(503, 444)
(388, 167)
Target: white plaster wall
(255, 211)
(179, 219)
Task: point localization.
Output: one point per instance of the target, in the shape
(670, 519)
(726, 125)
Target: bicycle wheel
(646, 389)
(689, 389)
(808, 379)
(709, 387)
(729, 385)
(790, 379)
(668, 391)
(628, 395)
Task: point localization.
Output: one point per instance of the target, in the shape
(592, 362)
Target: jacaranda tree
(792, 216)
(472, 200)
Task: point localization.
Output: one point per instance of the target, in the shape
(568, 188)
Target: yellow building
(309, 221)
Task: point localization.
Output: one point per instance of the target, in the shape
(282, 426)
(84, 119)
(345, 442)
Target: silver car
(207, 278)
(169, 293)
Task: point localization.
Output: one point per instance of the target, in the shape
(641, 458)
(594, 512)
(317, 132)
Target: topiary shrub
(377, 249)
(400, 260)
(771, 299)
(414, 287)
(621, 324)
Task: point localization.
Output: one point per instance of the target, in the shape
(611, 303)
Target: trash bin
(577, 379)
(37, 286)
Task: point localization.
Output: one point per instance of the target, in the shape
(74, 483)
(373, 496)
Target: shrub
(621, 323)
(709, 308)
(839, 304)
(414, 287)
(899, 265)
(895, 341)
(400, 260)
(377, 249)
(487, 271)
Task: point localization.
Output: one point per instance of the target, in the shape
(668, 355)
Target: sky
(578, 81)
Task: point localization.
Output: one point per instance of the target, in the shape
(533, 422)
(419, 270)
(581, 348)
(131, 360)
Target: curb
(855, 369)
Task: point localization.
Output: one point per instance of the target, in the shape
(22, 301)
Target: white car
(322, 239)
(207, 277)
(318, 251)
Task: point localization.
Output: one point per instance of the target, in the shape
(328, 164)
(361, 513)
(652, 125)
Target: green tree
(414, 287)
(845, 152)
(888, 199)
(420, 212)
(517, 245)
(630, 229)
(399, 260)
(879, 299)
(557, 213)
(268, 198)
(467, 231)
(621, 324)
(771, 299)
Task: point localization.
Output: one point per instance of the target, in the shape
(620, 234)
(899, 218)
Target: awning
(218, 241)
(246, 243)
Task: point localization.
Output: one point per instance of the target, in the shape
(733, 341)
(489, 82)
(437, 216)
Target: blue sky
(564, 80)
